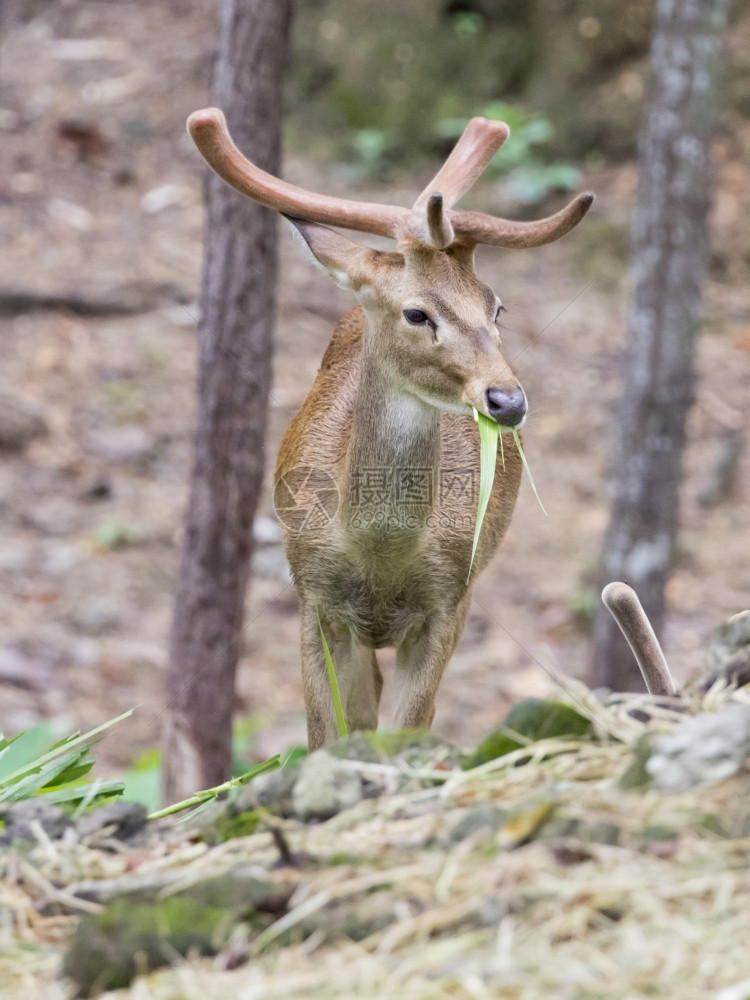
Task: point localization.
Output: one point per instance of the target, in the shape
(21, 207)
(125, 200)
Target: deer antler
(208, 129)
(430, 219)
(622, 601)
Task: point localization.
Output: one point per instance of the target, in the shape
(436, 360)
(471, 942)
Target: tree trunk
(235, 345)
(670, 244)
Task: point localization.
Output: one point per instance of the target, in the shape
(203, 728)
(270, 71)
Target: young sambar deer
(377, 475)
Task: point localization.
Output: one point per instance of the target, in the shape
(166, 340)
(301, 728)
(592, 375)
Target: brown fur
(394, 398)
(401, 581)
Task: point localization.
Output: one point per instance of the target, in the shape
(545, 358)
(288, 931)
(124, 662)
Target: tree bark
(235, 347)
(670, 246)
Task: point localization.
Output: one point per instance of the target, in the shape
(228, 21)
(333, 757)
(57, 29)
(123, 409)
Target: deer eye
(416, 317)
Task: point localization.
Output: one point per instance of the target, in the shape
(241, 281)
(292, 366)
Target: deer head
(431, 321)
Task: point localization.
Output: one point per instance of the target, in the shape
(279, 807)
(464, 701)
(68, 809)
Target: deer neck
(394, 434)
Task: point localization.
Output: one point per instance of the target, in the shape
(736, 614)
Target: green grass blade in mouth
(489, 431)
(526, 467)
(333, 681)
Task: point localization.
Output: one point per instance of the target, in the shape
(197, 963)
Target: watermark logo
(306, 499)
(384, 498)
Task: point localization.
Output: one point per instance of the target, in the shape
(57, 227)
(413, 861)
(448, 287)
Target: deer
(384, 451)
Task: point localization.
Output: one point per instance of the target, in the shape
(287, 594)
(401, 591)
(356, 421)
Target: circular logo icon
(306, 499)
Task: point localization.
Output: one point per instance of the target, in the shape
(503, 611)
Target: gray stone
(728, 653)
(325, 786)
(96, 615)
(484, 817)
(705, 748)
(122, 820)
(20, 422)
(272, 791)
(20, 817)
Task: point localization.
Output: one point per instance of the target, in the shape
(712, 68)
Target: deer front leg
(359, 679)
(420, 662)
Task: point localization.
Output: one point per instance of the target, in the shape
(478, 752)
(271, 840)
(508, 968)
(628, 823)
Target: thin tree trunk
(235, 346)
(670, 246)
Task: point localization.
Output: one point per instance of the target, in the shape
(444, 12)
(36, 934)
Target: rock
(20, 816)
(325, 786)
(705, 748)
(358, 746)
(129, 443)
(729, 651)
(121, 820)
(353, 919)
(96, 615)
(107, 950)
(484, 817)
(603, 833)
(235, 889)
(16, 667)
(56, 515)
(59, 558)
(272, 790)
(20, 422)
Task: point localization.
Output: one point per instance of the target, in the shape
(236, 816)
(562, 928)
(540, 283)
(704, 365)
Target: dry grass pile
(533, 875)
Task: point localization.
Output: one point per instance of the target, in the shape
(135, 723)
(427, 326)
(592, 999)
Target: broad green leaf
(86, 795)
(489, 431)
(68, 744)
(530, 720)
(24, 748)
(53, 774)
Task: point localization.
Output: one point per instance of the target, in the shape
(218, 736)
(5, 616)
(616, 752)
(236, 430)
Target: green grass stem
(333, 681)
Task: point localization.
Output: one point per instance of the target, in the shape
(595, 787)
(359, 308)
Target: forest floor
(101, 222)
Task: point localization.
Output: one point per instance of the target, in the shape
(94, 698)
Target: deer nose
(507, 408)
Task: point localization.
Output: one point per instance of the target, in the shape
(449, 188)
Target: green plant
(489, 434)
(202, 799)
(333, 681)
(114, 534)
(528, 177)
(27, 769)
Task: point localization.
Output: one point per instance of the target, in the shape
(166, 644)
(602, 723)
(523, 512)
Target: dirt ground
(100, 229)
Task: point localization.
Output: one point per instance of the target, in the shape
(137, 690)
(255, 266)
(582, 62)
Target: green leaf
(489, 431)
(24, 747)
(530, 720)
(85, 794)
(526, 467)
(207, 795)
(42, 770)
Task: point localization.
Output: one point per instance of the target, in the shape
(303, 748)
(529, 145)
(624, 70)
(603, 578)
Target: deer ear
(346, 262)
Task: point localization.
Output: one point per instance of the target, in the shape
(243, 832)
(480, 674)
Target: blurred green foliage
(387, 86)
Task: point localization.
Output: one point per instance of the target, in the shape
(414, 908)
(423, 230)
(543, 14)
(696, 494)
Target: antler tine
(472, 228)
(479, 142)
(622, 601)
(208, 129)
(438, 223)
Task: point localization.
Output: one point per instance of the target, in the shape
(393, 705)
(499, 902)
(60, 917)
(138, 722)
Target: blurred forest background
(100, 228)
